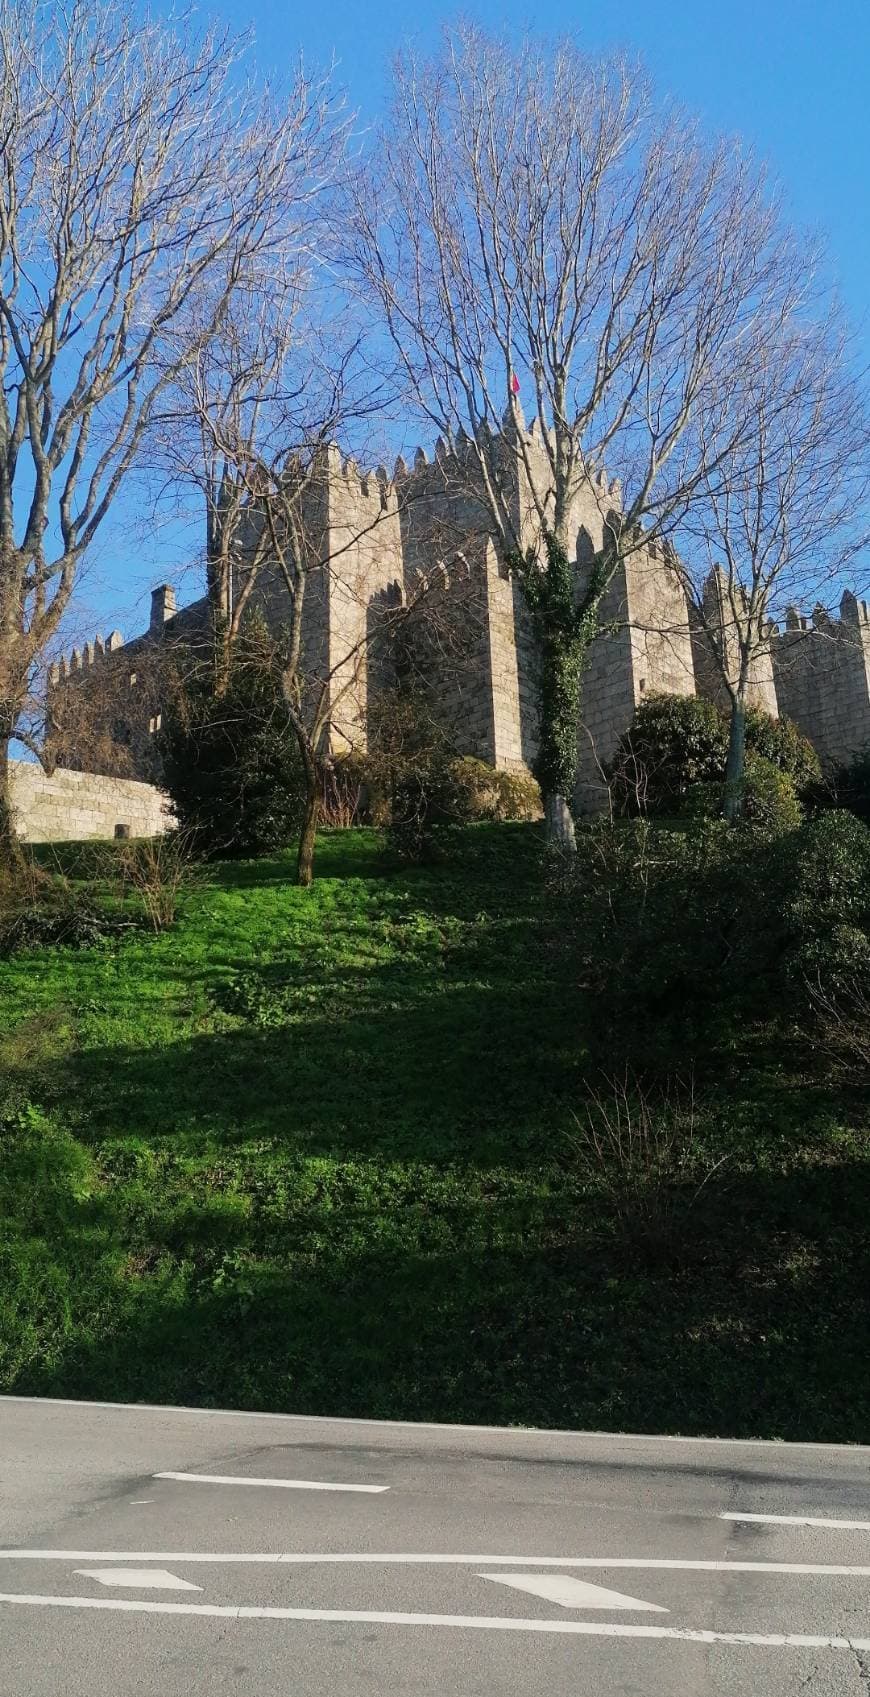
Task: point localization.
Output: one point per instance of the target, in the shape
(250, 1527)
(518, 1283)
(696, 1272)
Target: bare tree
(294, 531)
(324, 562)
(533, 224)
(144, 181)
(777, 522)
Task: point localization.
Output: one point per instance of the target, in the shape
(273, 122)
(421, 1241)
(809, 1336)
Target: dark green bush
(851, 785)
(674, 744)
(656, 919)
(781, 743)
(672, 759)
(231, 763)
(827, 884)
(770, 799)
(681, 934)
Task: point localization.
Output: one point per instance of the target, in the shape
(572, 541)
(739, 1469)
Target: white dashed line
(280, 1484)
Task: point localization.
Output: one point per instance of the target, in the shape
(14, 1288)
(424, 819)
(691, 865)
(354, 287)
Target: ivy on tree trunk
(564, 616)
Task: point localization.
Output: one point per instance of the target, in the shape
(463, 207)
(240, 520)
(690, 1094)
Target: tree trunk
(10, 842)
(559, 823)
(732, 801)
(305, 858)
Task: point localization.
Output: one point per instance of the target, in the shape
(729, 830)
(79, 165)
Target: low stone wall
(72, 806)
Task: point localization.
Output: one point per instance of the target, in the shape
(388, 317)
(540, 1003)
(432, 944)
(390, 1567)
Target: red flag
(515, 383)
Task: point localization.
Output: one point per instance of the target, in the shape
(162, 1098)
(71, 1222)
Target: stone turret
(163, 607)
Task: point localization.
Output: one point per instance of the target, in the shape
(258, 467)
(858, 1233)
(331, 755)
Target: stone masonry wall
(822, 673)
(73, 806)
(716, 650)
(643, 648)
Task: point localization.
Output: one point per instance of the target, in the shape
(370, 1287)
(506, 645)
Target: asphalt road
(174, 1553)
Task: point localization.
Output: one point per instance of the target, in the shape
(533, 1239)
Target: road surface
(177, 1553)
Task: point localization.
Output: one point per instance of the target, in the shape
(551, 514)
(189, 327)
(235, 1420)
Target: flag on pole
(515, 383)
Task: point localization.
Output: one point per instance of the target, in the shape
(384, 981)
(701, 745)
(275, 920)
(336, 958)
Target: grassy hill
(314, 1151)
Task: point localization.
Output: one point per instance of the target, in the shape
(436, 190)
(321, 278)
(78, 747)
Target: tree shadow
(437, 1071)
(764, 1335)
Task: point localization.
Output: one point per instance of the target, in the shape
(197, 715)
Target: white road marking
(149, 1578)
(140, 1502)
(823, 1570)
(282, 1484)
(571, 1593)
(779, 1444)
(801, 1520)
(491, 1623)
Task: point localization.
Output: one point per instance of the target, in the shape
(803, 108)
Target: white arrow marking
(149, 1578)
(571, 1593)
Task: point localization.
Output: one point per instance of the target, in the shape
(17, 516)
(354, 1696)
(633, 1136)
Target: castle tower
(643, 647)
(822, 671)
(716, 647)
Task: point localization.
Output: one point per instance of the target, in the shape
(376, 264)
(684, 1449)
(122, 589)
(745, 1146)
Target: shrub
(470, 790)
(672, 759)
(656, 919)
(639, 1149)
(830, 875)
(158, 869)
(826, 915)
(781, 743)
(770, 800)
(231, 763)
(674, 744)
(41, 909)
(851, 785)
(827, 886)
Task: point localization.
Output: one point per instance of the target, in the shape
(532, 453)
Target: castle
(377, 538)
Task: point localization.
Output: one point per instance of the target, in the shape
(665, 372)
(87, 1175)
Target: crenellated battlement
(83, 659)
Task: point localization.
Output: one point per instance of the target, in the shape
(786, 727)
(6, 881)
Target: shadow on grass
(354, 1199)
(763, 1332)
(452, 1070)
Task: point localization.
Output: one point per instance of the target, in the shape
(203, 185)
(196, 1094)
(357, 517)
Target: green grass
(311, 1151)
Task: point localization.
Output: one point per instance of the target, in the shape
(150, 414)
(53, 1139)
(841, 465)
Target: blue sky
(791, 76)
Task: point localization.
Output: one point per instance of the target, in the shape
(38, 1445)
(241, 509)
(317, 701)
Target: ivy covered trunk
(561, 666)
(735, 766)
(564, 618)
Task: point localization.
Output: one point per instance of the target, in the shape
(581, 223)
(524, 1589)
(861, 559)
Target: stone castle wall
(378, 540)
(73, 806)
(821, 669)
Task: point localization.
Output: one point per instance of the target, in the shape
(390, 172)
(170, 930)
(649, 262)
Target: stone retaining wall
(71, 806)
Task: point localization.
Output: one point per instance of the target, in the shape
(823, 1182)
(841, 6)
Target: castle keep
(377, 539)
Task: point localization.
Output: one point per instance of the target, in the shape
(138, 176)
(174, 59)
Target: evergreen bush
(230, 762)
(672, 759)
